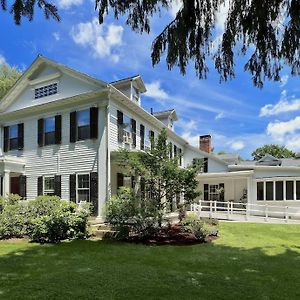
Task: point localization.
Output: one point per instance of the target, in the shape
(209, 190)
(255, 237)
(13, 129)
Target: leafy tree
(274, 150)
(8, 77)
(160, 177)
(266, 31)
(25, 8)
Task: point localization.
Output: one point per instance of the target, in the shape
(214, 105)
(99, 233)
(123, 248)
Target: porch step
(101, 234)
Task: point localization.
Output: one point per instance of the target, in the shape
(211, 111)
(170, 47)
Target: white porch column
(249, 190)
(6, 183)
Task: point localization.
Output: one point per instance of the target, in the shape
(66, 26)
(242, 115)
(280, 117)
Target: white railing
(236, 210)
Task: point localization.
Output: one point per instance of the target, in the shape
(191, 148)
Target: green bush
(45, 219)
(51, 220)
(13, 221)
(128, 215)
(192, 224)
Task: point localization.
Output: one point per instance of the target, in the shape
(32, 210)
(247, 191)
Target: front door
(15, 185)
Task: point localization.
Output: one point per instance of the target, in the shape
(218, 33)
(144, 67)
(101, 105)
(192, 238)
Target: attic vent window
(46, 90)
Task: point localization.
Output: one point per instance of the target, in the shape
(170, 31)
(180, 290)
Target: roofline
(226, 174)
(39, 60)
(234, 167)
(130, 79)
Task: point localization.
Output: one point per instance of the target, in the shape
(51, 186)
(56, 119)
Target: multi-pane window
(127, 130)
(260, 191)
(49, 186)
(83, 187)
(13, 137)
(46, 90)
(83, 124)
(279, 190)
(269, 190)
(213, 192)
(49, 130)
(147, 139)
(289, 190)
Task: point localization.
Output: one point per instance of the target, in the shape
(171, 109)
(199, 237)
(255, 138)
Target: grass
(249, 261)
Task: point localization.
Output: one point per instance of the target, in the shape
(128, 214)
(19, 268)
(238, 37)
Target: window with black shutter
(13, 137)
(133, 132)
(73, 127)
(57, 185)
(72, 187)
(49, 131)
(22, 182)
(83, 125)
(40, 186)
(142, 136)
(94, 122)
(120, 121)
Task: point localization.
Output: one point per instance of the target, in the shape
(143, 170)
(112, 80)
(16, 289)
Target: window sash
(83, 187)
(48, 185)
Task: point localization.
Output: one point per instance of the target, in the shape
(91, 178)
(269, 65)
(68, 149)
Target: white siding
(64, 159)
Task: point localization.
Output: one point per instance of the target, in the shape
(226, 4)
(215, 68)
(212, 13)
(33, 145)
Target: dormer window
(45, 91)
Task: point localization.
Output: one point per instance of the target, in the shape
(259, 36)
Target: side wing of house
(57, 134)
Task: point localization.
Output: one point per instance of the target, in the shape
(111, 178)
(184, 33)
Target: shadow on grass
(112, 270)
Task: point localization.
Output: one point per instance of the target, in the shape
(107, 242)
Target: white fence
(247, 211)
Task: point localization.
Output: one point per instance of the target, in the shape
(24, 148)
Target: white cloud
(237, 145)
(281, 130)
(220, 115)
(284, 80)
(2, 60)
(103, 40)
(221, 16)
(155, 91)
(280, 107)
(67, 4)
(56, 36)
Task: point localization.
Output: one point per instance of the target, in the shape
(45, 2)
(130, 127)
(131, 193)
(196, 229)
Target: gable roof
(166, 113)
(137, 79)
(269, 160)
(25, 79)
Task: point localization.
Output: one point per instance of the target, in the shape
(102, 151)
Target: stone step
(100, 234)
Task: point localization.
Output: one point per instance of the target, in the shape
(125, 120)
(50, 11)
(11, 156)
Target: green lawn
(249, 261)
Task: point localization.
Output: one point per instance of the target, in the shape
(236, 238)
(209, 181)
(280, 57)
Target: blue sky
(239, 116)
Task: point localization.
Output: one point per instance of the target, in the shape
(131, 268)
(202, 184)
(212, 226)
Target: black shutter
(94, 192)
(142, 135)
(21, 136)
(40, 186)
(58, 129)
(73, 187)
(41, 132)
(205, 165)
(222, 186)
(175, 150)
(152, 139)
(73, 127)
(1, 187)
(6, 139)
(120, 180)
(23, 186)
(133, 127)
(170, 150)
(94, 122)
(180, 157)
(120, 126)
(57, 185)
(206, 192)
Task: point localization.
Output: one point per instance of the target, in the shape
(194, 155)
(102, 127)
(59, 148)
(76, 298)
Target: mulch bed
(172, 236)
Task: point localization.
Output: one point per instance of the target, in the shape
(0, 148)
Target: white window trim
(50, 191)
(77, 188)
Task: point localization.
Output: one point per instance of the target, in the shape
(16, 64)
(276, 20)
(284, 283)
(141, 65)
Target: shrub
(128, 215)
(51, 220)
(192, 224)
(13, 221)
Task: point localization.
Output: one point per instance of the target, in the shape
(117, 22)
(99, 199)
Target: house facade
(60, 130)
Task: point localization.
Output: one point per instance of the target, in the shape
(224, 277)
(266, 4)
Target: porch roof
(237, 174)
(11, 164)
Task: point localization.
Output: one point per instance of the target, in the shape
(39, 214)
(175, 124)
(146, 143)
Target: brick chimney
(205, 143)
